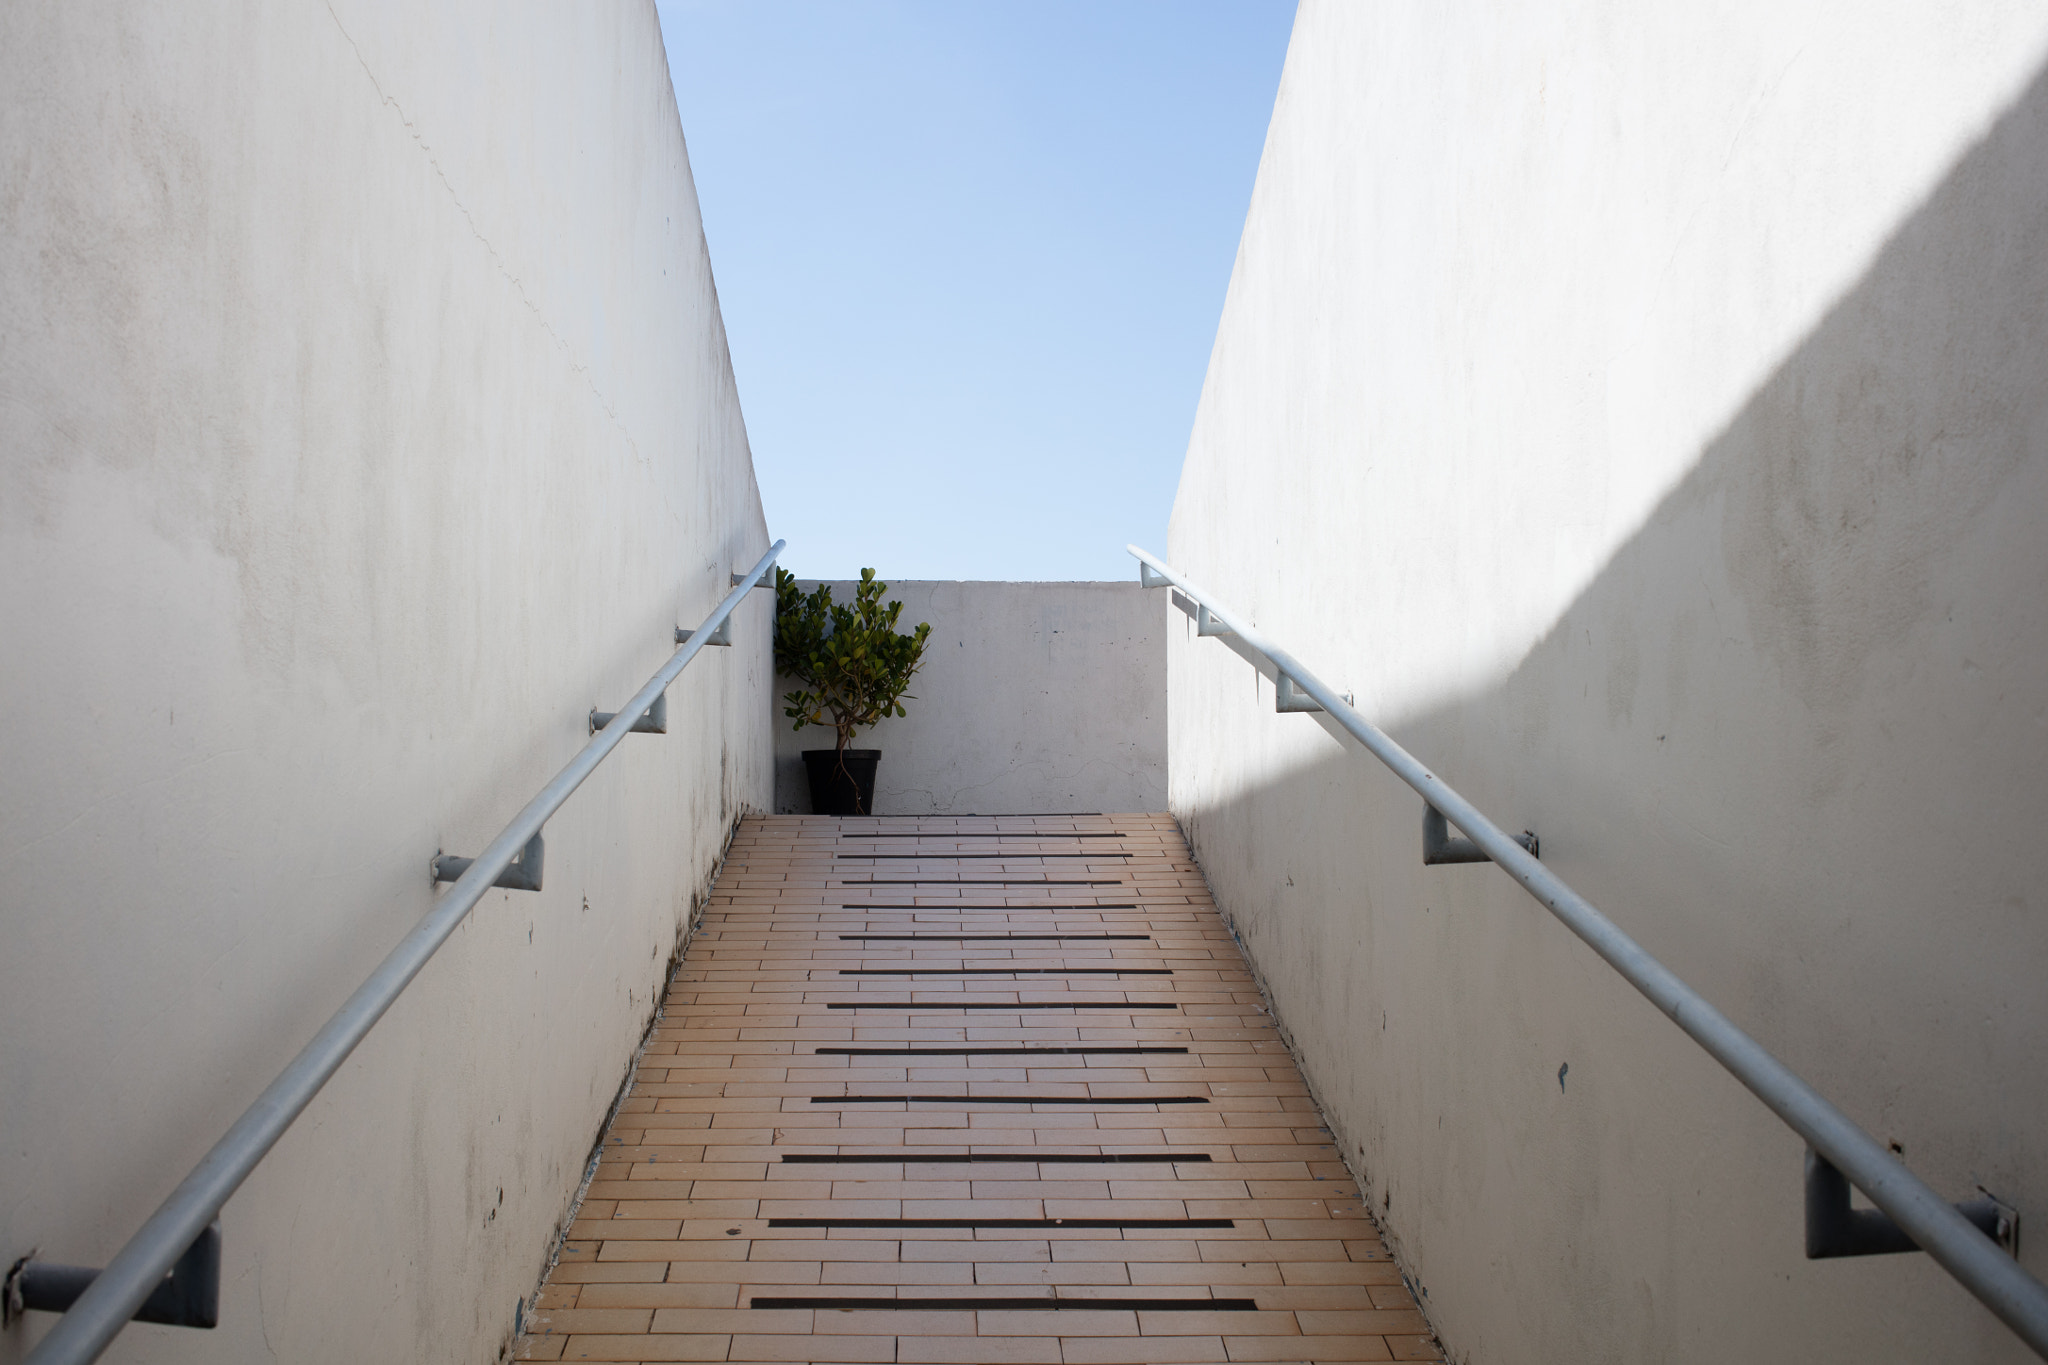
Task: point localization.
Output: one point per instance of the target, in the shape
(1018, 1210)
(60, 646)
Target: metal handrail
(1975, 1260)
(133, 1274)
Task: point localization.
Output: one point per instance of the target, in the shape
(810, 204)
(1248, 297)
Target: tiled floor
(922, 1079)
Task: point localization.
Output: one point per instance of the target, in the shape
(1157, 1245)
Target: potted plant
(854, 666)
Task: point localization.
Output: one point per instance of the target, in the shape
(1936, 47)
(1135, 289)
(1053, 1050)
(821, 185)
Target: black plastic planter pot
(837, 789)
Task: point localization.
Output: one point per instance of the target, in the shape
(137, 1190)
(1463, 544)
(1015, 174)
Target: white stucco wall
(365, 419)
(1642, 409)
(1034, 697)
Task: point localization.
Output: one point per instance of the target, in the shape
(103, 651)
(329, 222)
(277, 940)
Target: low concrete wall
(365, 420)
(1034, 697)
(1641, 408)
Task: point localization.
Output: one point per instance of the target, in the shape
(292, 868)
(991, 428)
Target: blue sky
(971, 257)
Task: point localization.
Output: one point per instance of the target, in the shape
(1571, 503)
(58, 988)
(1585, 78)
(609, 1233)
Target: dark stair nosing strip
(965, 834)
(965, 857)
(1026, 815)
(891, 905)
(994, 1158)
(992, 938)
(1051, 1224)
(1021, 1005)
(992, 1050)
(985, 881)
(993, 1304)
(1006, 971)
(1009, 1099)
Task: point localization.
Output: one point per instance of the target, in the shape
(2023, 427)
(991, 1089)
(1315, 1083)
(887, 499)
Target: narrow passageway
(921, 1079)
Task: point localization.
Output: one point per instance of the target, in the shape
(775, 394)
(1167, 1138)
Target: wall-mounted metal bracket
(1149, 577)
(188, 1297)
(1207, 624)
(653, 721)
(739, 578)
(1835, 1229)
(1439, 847)
(721, 636)
(1287, 698)
(523, 874)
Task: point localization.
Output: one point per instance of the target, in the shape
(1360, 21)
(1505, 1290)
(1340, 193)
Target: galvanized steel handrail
(1982, 1267)
(110, 1301)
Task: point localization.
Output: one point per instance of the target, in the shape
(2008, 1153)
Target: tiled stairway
(921, 1079)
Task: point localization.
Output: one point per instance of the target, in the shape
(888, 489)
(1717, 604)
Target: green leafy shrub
(853, 663)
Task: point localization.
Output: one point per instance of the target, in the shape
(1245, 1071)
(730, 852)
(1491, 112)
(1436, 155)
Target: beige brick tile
(1112, 1273)
(1341, 1191)
(1340, 1272)
(1197, 1323)
(1308, 1348)
(915, 1273)
(599, 1272)
(646, 1348)
(1222, 1275)
(1280, 1225)
(976, 1350)
(1378, 1322)
(1067, 1322)
(780, 1321)
(1350, 1297)
(978, 1251)
(626, 1190)
(1273, 1251)
(672, 1211)
(902, 1322)
(1133, 1252)
(751, 1272)
(850, 1350)
(570, 1321)
(1142, 1350)
(724, 1295)
(824, 1250)
(655, 1249)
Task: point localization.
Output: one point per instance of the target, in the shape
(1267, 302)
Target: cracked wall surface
(1034, 698)
(365, 421)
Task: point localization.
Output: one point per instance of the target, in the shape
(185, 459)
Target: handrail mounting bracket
(1289, 699)
(521, 874)
(1439, 847)
(1835, 1229)
(189, 1296)
(721, 636)
(653, 721)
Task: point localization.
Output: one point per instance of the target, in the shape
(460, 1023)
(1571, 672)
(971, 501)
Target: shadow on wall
(1794, 738)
